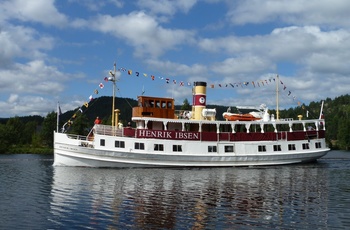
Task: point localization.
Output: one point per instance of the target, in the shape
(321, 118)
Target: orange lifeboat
(240, 117)
(250, 114)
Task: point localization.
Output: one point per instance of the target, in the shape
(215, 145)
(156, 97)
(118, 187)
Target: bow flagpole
(58, 115)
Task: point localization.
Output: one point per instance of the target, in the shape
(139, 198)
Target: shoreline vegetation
(34, 134)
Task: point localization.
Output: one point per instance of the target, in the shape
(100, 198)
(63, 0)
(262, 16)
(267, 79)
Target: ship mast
(277, 99)
(112, 79)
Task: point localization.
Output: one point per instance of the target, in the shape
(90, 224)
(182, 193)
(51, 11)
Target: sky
(61, 51)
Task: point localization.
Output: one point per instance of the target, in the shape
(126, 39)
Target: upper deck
(157, 107)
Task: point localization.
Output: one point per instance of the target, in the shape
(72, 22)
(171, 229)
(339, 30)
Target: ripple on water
(298, 196)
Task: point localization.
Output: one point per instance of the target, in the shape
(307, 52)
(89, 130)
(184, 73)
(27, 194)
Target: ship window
(277, 148)
(228, 148)
(212, 149)
(169, 105)
(102, 142)
(119, 144)
(318, 145)
(262, 148)
(146, 102)
(306, 146)
(139, 145)
(177, 148)
(158, 147)
(291, 147)
(163, 104)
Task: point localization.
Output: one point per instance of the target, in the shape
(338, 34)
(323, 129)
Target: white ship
(163, 138)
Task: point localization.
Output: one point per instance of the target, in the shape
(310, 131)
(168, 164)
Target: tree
(4, 143)
(15, 127)
(80, 126)
(29, 131)
(48, 127)
(185, 105)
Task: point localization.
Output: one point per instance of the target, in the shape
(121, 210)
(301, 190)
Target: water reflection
(278, 197)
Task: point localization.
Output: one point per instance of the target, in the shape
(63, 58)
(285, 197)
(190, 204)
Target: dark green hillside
(102, 107)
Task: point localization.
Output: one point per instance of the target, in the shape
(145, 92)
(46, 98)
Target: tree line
(34, 134)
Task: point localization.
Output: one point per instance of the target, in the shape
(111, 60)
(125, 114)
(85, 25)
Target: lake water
(35, 195)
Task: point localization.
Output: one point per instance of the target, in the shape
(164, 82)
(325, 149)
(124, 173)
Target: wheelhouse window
(262, 148)
(318, 145)
(229, 148)
(102, 142)
(291, 147)
(277, 148)
(158, 147)
(139, 145)
(119, 144)
(212, 149)
(306, 146)
(177, 148)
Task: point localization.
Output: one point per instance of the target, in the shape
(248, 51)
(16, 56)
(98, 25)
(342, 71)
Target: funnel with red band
(199, 99)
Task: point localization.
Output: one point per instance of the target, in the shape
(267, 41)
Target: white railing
(108, 130)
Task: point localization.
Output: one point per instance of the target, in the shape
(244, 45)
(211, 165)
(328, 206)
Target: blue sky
(62, 50)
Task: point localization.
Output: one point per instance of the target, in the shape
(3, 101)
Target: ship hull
(75, 152)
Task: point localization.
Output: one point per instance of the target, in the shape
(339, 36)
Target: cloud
(19, 41)
(168, 67)
(166, 7)
(296, 44)
(17, 105)
(41, 78)
(40, 11)
(93, 5)
(142, 32)
(298, 12)
(250, 64)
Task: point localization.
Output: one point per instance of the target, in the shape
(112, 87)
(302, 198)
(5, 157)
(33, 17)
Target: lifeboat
(250, 113)
(240, 117)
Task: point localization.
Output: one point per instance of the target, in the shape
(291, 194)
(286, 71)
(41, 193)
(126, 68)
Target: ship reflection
(190, 198)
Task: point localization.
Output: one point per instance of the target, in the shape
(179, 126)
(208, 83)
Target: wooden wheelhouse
(158, 107)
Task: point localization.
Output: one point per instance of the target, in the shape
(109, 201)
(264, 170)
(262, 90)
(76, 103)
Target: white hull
(73, 154)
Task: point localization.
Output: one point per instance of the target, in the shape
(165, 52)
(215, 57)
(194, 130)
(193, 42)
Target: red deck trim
(213, 136)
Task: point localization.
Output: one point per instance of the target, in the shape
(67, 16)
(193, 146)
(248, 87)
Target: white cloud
(98, 5)
(19, 41)
(166, 7)
(13, 98)
(299, 12)
(167, 67)
(142, 32)
(33, 77)
(18, 105)
(251, 64)
(41, 11)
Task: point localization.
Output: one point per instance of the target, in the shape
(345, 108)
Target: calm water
(35, 195)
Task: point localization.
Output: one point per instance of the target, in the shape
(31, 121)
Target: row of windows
(211, 148)
(160, 147)
(291, 147)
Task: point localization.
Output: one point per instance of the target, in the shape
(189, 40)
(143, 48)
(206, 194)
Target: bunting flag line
(234, 85)
(254, 84)
(86, 104)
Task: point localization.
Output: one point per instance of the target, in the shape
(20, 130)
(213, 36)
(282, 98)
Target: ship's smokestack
(199, 99)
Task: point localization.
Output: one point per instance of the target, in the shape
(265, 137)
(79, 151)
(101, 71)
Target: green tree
(29, 130)
(48, 127)
(343, 134)
(15, 127)
(185, 105)
(80, 125)
(4, 142)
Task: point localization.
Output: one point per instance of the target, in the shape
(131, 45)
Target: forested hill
(37, 130)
